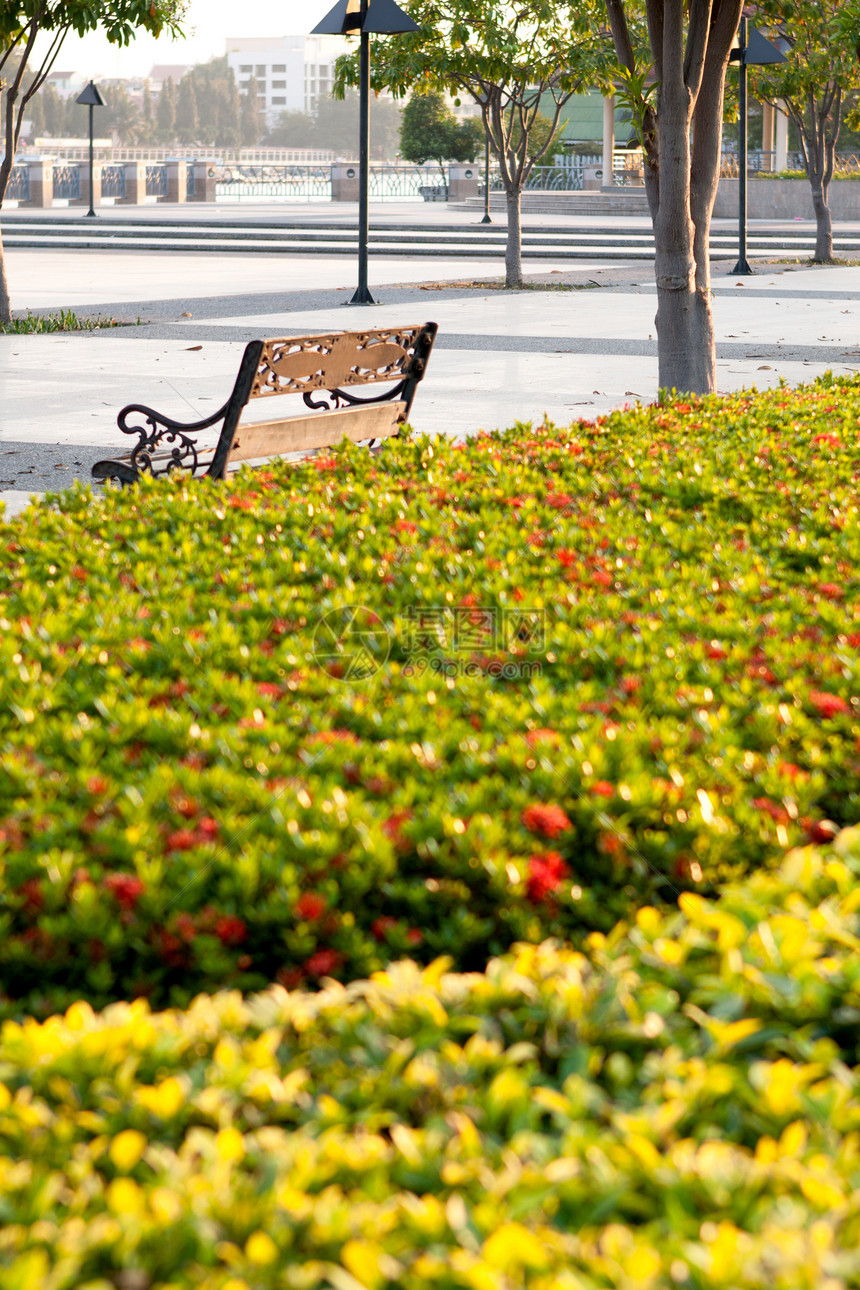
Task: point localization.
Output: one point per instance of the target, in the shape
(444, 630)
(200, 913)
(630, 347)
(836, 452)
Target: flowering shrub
(674, 1106)
(434, 702)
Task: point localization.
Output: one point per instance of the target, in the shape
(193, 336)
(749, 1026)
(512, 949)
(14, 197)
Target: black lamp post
(380, 17)
(91, 98)
(752, 50)
(486, 219)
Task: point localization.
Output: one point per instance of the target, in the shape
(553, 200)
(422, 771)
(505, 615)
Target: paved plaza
(582, 345)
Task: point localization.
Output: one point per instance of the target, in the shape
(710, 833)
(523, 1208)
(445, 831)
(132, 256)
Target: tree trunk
(685, 334)
(514, 245)
(823, 226)
(5, 302)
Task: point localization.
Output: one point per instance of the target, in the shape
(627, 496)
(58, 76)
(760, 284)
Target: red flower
(414, 936)
(404, 526)
(393, 829)
(97, 784)
(603, 789)
(602, 578)
(548, 821)
(537, 736)
(380, 927)
(827, 705)
(310, 905)
(566, 558)
(325, 463)
(269, 687)
(831, 439)
(714, 650)
(32, 890)
(181, 840)
(558, 500)
(773, 809)
(546, 874)
(323, 962)
(831, 590)
(125, 888)
(332, 737)
(820, 830)
(630, 684)
(208, 827)
(290, 978)
(171, 949)
(186, 807)
(185, 927)
(231, 930)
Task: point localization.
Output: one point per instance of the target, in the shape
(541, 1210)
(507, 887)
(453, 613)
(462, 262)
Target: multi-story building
(292, 73)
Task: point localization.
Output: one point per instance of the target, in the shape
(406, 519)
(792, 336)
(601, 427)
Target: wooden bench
(325, 371)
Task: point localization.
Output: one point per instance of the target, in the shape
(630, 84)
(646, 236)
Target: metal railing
(156, 181)
(67, 183)
(18, 188)
(406, 183)
(113, 181)
(295, 183)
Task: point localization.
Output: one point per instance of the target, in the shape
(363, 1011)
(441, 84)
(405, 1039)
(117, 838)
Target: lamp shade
(381, 17)
(90, 97)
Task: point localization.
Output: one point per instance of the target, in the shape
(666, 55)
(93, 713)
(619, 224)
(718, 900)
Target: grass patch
(65, 320)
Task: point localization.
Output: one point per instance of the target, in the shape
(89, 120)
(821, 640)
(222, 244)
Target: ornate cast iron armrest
(158, 431)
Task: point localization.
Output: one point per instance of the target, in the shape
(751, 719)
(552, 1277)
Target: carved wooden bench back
(325, 371)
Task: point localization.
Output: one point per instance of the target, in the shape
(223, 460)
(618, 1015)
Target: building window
(279, 67)
(279, 102)
(261, 71)
(246, 69)
(279, 85)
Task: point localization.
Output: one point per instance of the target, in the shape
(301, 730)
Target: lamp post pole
(486, 219)
(742, 267)
(348, 17)
(362, 294)
(752, 50)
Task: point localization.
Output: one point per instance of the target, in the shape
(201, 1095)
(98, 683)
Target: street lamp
(752, 50)
(90, 98)
(381, 17)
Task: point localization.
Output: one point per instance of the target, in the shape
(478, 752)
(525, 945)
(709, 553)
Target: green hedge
(205, 783)
(675, 1107)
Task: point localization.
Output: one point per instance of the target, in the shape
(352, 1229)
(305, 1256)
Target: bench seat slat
(324, 430)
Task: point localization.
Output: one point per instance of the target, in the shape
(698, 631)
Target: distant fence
(67, 183)
(18, 189)
(265, 181)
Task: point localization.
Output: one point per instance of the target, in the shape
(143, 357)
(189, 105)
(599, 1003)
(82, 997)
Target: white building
(292, 73)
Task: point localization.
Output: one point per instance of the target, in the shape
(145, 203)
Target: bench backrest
(325, 370)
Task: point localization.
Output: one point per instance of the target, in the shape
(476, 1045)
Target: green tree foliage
(293, 130)
(147, 114)
(819, 87)
(429, 131)
(506, 59)
(165, 113)
(252, 121)
(334, 127)
(218, 107)
(187, 121)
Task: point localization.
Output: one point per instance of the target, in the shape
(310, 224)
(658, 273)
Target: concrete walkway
(500, 356)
